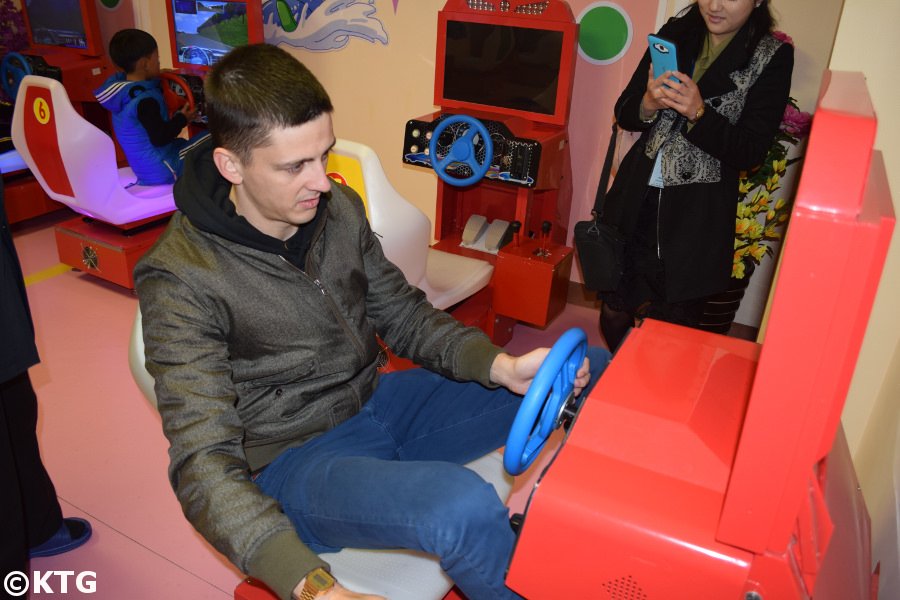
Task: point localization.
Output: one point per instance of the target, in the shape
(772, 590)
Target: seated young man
(261, 304)
(149, 138)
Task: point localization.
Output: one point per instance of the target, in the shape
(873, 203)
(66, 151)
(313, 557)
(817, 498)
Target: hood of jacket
(203, 195)
(116, 92)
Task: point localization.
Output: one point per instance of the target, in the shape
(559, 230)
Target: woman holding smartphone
(674, 197)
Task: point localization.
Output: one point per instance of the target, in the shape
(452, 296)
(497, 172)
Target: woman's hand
(683, 96)
(653, 97)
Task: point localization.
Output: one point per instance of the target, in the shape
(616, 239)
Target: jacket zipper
(331, 305)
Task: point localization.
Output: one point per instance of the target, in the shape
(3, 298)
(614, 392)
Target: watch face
(320, 579)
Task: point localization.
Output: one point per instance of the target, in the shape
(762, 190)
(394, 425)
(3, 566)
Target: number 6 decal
(41, 111)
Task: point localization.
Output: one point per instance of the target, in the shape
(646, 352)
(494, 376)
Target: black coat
(697, 221)
(17, 349)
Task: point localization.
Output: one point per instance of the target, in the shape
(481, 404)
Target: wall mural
(322, 25)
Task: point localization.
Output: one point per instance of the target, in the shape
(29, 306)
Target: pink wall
(596, 89)
(114, 16)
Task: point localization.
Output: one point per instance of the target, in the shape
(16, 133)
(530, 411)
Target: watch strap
(318, 580)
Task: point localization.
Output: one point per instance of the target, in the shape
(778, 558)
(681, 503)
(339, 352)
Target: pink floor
(102, 442)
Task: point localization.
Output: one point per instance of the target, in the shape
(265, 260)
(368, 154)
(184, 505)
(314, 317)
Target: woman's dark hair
(253, 90)
(760, 23)
(128, 46)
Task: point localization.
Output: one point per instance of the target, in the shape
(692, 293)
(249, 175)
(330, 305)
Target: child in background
(149, 138)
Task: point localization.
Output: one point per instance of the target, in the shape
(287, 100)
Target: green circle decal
(604, 33)
(110, 4)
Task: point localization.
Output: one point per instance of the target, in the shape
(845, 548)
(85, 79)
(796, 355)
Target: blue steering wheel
(13, 70)
(542, 409)
(462, 150)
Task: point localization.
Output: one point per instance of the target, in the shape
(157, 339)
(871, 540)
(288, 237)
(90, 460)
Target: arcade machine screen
(64, 24)
(204, 31)
(495, 66)
(506, 64)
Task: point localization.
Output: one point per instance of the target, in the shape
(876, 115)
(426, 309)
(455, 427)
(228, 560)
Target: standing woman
(675, 195)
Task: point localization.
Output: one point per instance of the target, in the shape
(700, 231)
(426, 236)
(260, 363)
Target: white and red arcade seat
(75, 163)
(404, 230)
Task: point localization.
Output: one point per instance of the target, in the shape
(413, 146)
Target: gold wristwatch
(318, 580)
(700, 112)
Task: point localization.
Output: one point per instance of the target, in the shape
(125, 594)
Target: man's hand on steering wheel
(516, 372)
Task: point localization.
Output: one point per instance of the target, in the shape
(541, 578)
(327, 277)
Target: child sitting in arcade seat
(149, 138)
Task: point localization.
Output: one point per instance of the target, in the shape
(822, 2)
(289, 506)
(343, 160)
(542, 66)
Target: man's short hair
(128, 46)
(255, 89)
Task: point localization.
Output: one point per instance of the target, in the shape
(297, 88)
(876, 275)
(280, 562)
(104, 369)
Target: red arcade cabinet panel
(705, 467)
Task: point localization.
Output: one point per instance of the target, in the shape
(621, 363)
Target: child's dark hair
(128, 46)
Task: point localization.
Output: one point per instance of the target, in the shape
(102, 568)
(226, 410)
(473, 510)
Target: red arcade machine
(706, 467)
(65, 44)
(499, 144)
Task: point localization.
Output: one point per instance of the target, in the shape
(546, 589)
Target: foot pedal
(495, 234)
(475, 227)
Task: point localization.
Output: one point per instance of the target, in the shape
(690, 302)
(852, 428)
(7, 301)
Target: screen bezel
(254, 31)
(560, 114)
(91, 31)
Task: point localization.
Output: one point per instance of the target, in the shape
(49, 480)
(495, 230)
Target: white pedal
(494, 235)
(474, 229)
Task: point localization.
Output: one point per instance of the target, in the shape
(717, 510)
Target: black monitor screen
(207, 31)
(497, 65)
(57, 23)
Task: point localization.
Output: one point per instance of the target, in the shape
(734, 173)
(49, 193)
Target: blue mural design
(321, 25)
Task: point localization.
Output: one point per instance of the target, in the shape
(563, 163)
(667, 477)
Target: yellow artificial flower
(757, 251)
(756, 230)
(761, 215)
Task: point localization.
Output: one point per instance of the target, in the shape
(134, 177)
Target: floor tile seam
(96, 519)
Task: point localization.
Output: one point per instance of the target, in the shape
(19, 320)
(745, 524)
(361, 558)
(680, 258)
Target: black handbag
(601, 248)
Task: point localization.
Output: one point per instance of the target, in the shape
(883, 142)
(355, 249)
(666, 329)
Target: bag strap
(604, 175)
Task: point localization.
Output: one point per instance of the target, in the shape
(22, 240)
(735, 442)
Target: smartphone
(663, 54)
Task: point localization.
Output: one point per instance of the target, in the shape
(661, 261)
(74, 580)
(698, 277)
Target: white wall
(867, 42)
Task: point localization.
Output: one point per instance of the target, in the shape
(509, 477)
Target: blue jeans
(392, 477)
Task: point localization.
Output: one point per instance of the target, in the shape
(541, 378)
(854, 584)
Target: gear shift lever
(544, 248)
